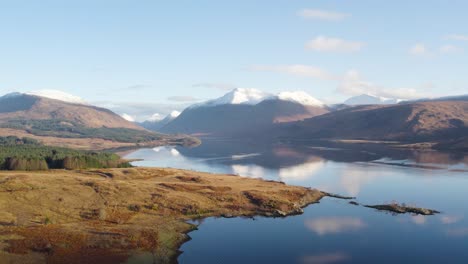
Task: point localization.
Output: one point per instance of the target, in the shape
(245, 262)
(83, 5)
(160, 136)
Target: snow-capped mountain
(58, 95)
(156, 121)
(243, 111)
(246, 96)
(367, 99)
(250, 96)
(300, 97)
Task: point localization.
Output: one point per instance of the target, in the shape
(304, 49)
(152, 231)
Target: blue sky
(175, 52)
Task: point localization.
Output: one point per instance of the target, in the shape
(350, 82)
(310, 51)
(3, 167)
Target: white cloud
(458, 37)
(353, 84)
(327, 44)
(297, 69)
(322, 15)
(448, 49)
(419, 49)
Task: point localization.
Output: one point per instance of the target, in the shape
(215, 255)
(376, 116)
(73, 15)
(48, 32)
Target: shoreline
(108, 214)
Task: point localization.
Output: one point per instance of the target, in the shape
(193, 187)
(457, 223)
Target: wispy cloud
(296, 69)
(319, 14)
(327, 44)
(450, 49)
(419, 49)
(138, 87)
(458, 37)
(353, 84)
(219, 86)
(183, 98)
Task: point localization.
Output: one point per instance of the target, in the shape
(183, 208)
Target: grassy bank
(108, 215)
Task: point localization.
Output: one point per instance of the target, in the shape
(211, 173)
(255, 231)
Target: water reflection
(327, 258)
(334, 225)
(332, 231)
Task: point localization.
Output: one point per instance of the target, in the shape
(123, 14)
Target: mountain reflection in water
(332, 231)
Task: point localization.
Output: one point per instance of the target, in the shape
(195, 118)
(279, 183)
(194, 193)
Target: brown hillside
(431, 121)
(31, 107)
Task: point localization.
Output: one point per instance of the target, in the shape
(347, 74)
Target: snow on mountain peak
(160, 118)
(237, 96)
(128, 117)
(58, 95)
(300, 97)
(242, 96)
(174, 114)
(250, 96)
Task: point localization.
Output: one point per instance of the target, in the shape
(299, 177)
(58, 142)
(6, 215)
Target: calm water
(332, 231)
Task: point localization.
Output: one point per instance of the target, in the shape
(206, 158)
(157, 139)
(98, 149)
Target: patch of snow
(128, 117)
(58, 95)
(300, 97)
(237, 96)
(174, 114)
(367, 99)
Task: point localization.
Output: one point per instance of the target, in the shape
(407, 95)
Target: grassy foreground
(108, 215)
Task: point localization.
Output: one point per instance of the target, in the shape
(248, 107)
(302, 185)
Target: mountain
(243, 111)
(156, 122)
(435, 121)
(71, 124)
(366, 99)
(18, 106)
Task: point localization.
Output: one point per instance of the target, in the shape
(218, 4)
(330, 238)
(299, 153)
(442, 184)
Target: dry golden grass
(103, 216)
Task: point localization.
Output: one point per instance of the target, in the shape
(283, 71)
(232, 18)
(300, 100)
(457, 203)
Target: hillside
(437, 121)
(61, 123)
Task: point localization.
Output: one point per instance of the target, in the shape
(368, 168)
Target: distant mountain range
(59, 119)
(298, 116)
(157, 122)
(434, 121)
(242, 111)
(366, 99)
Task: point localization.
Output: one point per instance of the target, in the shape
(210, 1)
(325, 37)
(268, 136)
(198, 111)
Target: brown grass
(103, 216)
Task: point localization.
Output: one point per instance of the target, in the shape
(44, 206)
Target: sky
(169, 54)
